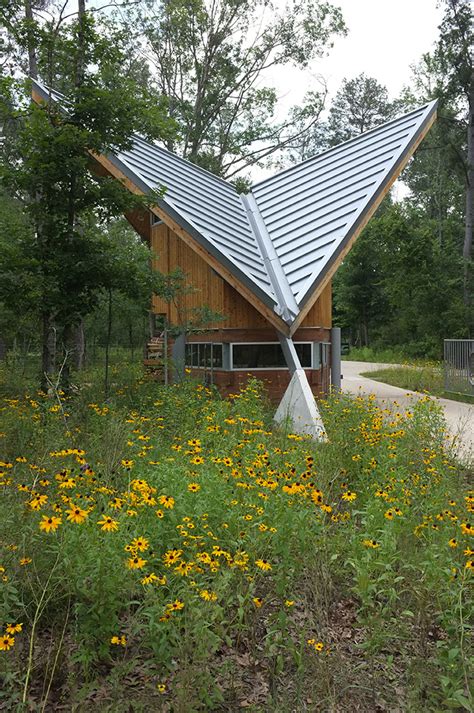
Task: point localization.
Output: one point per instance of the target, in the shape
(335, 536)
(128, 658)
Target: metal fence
(459, 365)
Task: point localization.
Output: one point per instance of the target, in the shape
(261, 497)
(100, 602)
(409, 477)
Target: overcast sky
(384, 39)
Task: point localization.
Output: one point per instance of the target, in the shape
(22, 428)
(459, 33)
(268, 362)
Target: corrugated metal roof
(312, 209)
(206, 202)
(283, 238)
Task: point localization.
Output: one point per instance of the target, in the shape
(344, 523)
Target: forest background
(75, 278)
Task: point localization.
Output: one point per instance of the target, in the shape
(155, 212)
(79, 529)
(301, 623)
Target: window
(204, 355)
(267, 356)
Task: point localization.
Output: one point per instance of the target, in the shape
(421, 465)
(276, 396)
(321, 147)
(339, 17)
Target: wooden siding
(210, 289)
(320, 314)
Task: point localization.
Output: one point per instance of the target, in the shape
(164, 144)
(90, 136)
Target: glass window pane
(266, 356)
(217, 356)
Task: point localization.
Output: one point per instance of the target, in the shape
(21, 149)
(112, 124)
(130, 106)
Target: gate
(459, 365)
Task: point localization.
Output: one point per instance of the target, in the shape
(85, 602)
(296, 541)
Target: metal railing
(459, 365)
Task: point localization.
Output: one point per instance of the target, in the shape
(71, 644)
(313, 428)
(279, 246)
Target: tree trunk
(48, 356)
(107, 346)
(130, 340)
(79, 346)
(469, 221)
(32, 63)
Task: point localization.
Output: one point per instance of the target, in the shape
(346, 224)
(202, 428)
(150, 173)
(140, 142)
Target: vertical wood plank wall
(211, 290)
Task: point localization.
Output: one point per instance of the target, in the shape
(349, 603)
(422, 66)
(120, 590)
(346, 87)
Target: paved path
(459, 416)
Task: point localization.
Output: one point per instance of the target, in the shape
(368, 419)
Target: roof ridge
(284, 296)
(364, 134)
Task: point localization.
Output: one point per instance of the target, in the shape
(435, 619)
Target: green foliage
(300, 567)
(401, 285)
(209, 61)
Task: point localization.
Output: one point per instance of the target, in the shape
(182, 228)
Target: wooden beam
(266, 311)
(363, 220)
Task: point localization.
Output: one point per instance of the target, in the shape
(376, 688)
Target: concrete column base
(299, 408)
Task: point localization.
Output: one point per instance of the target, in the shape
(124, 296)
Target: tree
(359, 105)
(53, 147)
(442, 175)
(209, 59)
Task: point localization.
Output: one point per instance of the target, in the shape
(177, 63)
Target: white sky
(384, 39)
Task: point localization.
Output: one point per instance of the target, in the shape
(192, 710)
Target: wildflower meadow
(170, 550)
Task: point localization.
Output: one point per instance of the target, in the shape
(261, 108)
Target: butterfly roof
(284, 239)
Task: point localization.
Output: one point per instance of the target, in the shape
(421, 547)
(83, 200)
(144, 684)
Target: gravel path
(459, 416)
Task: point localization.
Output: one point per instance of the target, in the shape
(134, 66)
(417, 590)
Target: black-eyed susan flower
(6, 642)
(119, 640)
(50, 524)
(25, 560)
(194, 487)
(140, 543)
(389, 514)
(453, 542)
(136, 562)
(177, 605)
(108, 524)
(149, 579)
(349, 496)
(76, 514)
(373, 544)
(171, 557)
(207, 595)
(263, 564)
(469, 564)
(258, 601)
(167, 501)
(13, 628)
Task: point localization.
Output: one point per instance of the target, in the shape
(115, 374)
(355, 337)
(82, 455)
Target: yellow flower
(263, 564)
(194, 487)
(453, 542)
(6, 642)
(175, 606)
(140, 543)
(349, 496)
(119, 640)
(149, 579)
(289, 603)
(258, 601)
(389, 514)
(25, 560)
(371, 543)
(136, 562)
(167, 501)
(207, 595)
(76, 514)
(50, 524)
(469, 564)
(162, 686)
(13, 628)
(108, 524)
(171, 557)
